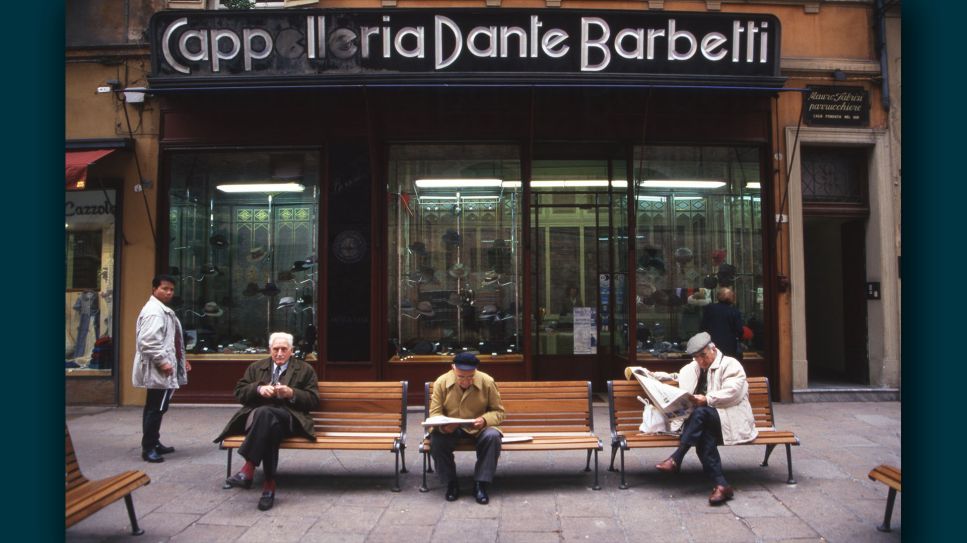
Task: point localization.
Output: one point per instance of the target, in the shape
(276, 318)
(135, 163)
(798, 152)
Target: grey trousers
(488, 450)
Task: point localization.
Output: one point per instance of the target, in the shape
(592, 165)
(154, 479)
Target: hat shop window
(699, 231)
(454, 263)
(242, 238)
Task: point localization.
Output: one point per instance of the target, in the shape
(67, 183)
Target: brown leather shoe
(668, 465)
(720, 495)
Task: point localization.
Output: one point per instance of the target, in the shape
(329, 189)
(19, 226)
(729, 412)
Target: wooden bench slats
(888, 475)
(365, 415)
(625, 416)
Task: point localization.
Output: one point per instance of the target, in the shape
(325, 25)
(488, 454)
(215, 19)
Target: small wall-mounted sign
(836, 106)
(873, 290)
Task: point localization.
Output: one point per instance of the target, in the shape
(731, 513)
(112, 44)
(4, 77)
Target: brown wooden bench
(352, 416)
(624, 411)
(556, 414)
(890, 476)
(85, 497)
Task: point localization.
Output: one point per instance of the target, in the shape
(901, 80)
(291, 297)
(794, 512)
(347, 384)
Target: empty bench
(555, 414)
(352, 416)
(890, 476)
(624, 412)
(85, 497)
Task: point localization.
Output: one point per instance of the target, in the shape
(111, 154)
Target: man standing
(276, 394)
(722, 413)
(465, 393)
(723, 322)
(160, 365)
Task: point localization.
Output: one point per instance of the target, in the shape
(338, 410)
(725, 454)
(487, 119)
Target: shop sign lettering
(836, 106)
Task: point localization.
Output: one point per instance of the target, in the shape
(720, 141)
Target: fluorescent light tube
(456, 183)
(682, 184)
(261, 187)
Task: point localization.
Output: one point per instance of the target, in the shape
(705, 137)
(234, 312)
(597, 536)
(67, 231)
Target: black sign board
(312, 47)
(836, 106)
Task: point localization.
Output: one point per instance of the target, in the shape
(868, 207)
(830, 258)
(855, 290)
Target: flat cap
(698, 342)
(466, 361)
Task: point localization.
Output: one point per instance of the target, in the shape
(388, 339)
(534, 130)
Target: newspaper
(441, 420)
(673, 402)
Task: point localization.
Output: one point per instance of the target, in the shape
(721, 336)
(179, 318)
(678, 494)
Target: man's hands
(167, 368)
(699, 400)
(478, 423)
(277, 391)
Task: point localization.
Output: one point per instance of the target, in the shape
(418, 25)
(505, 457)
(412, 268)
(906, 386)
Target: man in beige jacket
(722, 413)
(465, 393)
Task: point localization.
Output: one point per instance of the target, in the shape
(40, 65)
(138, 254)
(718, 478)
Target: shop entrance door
(576, 207)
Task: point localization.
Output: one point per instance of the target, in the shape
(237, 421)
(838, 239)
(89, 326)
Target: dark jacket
(724, 323)
(299, 376)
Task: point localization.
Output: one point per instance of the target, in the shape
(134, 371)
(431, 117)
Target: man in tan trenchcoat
(722, 413)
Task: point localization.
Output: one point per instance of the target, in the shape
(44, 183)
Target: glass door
(577, 211)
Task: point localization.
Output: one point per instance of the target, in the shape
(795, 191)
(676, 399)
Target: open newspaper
(672, 401)
(441, 420)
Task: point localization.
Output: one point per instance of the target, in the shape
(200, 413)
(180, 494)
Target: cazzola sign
(310, 46)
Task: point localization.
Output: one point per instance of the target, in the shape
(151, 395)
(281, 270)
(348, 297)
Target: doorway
(577, 213)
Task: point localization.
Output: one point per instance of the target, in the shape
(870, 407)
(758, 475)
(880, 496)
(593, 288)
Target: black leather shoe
(266, 501)
(453, 491)
(151, 456)
(239, 480)
(161, 449)
(480, 493)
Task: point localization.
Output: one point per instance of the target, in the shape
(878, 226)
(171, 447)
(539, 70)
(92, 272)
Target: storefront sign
(262, 47)
(836, 106)
(89, 207)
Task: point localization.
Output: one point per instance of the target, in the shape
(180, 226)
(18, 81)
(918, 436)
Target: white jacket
(728, 393)
(155, 345)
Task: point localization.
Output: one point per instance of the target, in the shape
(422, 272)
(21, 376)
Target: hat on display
(726, 275)
(418, 247)
(218, 240)
(406, 306)
(683, 255)
(454, 298)
(423, 347)
(458, 270)
(490, 277)
(710, 281)
(212, 310)
(698, 342)
(466, 361)
(451, 237)
(286, 301)
(286, 275)
(718, 256)
(425, 308)
(488, 311)
(251, 289)
(270, 289)
(256, 254)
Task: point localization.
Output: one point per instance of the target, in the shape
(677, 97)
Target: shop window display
(699, 229)
(242, 236)
(454, 263)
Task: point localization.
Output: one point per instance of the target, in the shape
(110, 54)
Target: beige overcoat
(728, 393)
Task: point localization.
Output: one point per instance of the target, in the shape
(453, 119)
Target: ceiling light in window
(753, 185)
(560, 183)
(261, 187)
(683, 183)
(456, 183)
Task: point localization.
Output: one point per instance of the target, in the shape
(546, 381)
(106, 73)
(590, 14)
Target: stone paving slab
(344, 496)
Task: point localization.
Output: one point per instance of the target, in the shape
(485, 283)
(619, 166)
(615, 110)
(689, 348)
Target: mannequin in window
(88, 310)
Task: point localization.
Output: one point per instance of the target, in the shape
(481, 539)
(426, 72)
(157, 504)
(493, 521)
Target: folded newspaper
(672, 401)
(441, 420)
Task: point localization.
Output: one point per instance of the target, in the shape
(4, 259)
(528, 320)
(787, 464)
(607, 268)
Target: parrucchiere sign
(312, 46)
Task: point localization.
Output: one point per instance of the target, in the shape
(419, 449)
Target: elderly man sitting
(722, 413)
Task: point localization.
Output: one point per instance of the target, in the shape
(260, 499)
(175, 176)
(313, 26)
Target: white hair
(283, 337)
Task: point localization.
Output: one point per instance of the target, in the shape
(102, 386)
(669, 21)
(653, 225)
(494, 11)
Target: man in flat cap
(466, 393)
(722, 413)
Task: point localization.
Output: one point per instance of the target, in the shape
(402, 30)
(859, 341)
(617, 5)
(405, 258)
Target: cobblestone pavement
(344, 496)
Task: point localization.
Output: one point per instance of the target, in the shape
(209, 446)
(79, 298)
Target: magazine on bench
(441, 420)
(672, 401)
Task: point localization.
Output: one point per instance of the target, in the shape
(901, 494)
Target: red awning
(78, 161)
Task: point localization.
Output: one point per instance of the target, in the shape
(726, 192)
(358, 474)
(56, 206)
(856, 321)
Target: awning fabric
(78, 161)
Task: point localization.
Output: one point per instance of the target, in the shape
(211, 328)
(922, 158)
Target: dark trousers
(268, 426)
(488, 450)
(703, 430)
(155, 407)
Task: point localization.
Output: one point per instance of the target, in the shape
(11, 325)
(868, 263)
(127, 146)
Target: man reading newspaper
(721, 412)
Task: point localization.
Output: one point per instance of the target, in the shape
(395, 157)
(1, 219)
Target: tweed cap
(698, 342)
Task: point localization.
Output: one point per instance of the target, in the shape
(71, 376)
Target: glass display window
(89, 231)
(243, 229)
(699, 237)
(454, 264)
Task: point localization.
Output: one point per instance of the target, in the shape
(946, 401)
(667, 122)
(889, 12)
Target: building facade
(561, 188)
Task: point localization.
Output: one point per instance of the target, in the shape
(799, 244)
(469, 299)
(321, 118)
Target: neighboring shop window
(242, 238)
(454, 252)
(699, 231)
(89, 222)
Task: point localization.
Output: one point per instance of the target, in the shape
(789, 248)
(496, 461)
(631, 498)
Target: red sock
(268, 485)
(249, 469)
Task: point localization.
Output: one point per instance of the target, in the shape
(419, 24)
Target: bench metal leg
(396, 487)
(614, 452)
(426, 460)
(228, 468)
(885, 527)
(136, 530)
(597, 485)
(765, 461)
(587, 466)
(790, 480)
(623, 484)
(403, 458)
